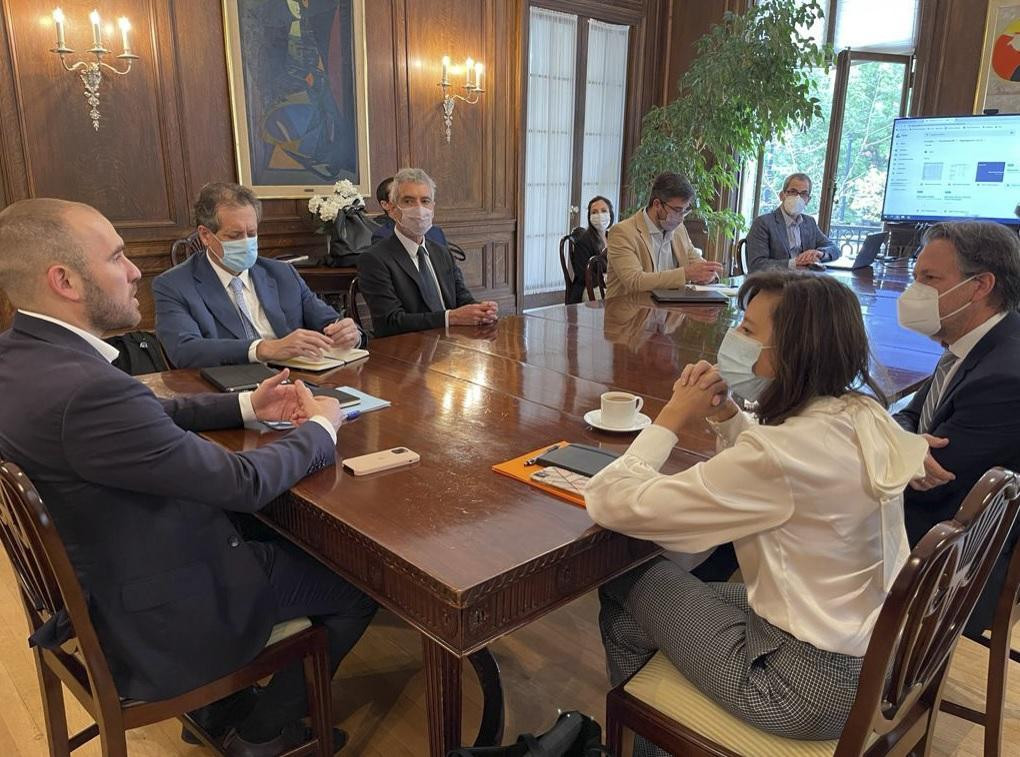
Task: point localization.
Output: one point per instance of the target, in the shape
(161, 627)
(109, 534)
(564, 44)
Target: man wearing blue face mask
(788, 237)
(410, 282)
(230, 306)
(965, 295)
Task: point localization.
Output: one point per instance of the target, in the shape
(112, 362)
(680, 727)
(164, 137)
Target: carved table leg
(442, 697)
(490, 731)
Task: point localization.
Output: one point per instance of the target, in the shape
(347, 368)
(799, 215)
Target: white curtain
(549, 145)
(605, 100)
(882, 26)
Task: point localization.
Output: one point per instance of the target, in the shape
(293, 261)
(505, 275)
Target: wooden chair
(595, 275)
(903, 672)
(566, 246)
(352, 302)
(1007, 613)
(184, 248)
(49, 584)
(738, 259)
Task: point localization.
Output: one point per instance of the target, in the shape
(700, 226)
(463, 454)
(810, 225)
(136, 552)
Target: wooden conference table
(463, 554)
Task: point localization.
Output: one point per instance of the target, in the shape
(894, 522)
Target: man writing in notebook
(410, 282)
(140, 500)
(228, 305)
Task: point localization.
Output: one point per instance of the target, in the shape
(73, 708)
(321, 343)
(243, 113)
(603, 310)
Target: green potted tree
(748, 84)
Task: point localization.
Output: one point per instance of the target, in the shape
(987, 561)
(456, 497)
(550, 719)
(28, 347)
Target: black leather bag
(140, 352)
(352, 234)
(573, 735)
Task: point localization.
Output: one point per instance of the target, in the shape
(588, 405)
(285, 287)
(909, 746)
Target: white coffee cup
(620, 409)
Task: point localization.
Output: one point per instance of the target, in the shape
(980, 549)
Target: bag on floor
(573, 735)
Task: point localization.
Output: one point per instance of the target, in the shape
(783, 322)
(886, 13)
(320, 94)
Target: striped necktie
(247, 322)
(938, 384)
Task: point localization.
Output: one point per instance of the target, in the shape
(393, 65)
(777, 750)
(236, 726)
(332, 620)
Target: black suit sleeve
(389, 315)
(204, 412)
(121, 436)
(464, 296)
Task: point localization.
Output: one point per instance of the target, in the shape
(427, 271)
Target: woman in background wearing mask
(588, 243)
(810, 493)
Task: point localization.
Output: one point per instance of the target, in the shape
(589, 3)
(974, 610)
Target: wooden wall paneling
(951, 36)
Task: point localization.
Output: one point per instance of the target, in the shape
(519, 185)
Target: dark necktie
(433, 300)
(938, 385)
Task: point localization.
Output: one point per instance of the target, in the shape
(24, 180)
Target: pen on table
(351, 415)
(533, 460)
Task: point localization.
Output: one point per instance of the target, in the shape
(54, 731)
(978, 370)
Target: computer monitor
(954, 168)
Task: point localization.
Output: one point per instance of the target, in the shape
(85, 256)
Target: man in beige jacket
(651, 249)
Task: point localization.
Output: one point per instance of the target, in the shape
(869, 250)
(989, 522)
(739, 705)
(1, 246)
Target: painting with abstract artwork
(999, 78)
(298, 94)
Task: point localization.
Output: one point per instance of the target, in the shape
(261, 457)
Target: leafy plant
(749, 83)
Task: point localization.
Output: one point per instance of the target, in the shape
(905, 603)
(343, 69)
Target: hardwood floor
(379, 692)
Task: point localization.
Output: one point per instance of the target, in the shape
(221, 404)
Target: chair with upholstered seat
(903, 671)
(184, 248)
(49, 584)
(1000, 653)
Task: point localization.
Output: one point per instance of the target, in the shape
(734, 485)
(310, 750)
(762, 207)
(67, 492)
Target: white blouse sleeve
(738, 492)
(728, 430)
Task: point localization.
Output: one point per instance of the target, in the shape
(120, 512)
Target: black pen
(533, 460)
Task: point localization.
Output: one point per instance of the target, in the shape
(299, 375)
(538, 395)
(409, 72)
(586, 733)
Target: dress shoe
(218, 718)
(291, 736)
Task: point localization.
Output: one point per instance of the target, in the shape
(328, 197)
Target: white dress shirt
(412, 249)
(110, 353)
(662, 245)
(813, 506)
(793, 235)
(962, 346)
(251, 299)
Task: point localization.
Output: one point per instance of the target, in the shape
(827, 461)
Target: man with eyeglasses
(651, 249)
(788, 237)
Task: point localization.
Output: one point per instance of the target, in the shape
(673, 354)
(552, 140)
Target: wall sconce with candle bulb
(91, 72)
(473, 72)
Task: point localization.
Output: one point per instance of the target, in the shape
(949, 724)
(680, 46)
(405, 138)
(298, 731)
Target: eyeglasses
(805, 195)
(682, 211)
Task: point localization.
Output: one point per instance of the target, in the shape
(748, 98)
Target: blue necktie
(938, 385)
(247, 322)
(433, 300)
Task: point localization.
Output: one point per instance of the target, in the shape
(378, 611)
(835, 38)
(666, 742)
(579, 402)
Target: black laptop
(865, 257)
(689, 297)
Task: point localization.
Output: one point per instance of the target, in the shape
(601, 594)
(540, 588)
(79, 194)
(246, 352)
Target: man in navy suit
(788, 237)
(177, 597)
(409, 282)
(230, 306)
(965, 295)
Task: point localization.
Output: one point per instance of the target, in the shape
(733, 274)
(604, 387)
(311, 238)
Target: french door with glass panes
(577, 94)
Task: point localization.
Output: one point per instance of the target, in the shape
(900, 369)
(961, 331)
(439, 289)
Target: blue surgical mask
(737, 355)
(240, 254)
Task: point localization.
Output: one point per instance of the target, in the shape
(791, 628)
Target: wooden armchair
(566, 245)
(352, 302)
(901, 681)
(48, 584)
(184, 248)
(595, 275)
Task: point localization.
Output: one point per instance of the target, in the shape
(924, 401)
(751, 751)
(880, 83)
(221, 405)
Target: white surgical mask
(794, 205)
(737, 355)
(416, 219)
(917, 308)
(599, 220)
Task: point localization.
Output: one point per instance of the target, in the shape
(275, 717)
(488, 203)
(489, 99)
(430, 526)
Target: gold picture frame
(302, 141)
(993, 91)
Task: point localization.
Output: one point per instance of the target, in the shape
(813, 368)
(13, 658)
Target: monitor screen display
(945, 169)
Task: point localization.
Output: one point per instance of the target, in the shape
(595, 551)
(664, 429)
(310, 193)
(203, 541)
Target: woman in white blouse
(810, 493)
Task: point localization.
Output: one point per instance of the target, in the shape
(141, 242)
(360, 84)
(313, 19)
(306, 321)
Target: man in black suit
(140, 501)
(412, 283)
(385, 223)
(788, 237)
(965, 295)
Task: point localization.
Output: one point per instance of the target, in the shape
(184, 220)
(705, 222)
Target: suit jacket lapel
(982, 348)
(642, 231)
(439, 265)
(782, 234)
(404, 261)
(212, 293)
(269, 299)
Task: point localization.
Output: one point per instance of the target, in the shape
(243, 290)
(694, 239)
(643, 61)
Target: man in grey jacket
(787, 237)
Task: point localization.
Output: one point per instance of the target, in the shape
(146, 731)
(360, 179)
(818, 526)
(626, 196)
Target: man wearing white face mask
(651, 249)
(787, 237)
(965, 295)
(229, 306)
(411, 283)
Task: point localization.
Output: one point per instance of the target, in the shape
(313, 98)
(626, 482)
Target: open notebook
(335, 358)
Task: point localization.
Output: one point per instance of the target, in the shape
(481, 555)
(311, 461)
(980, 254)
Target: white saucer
(594, 418)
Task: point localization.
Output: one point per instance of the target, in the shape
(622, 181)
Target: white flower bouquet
(327, 207)
(341, 217)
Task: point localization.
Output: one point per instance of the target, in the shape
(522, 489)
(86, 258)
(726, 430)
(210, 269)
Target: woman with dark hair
(587, 243)
(809, 490)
